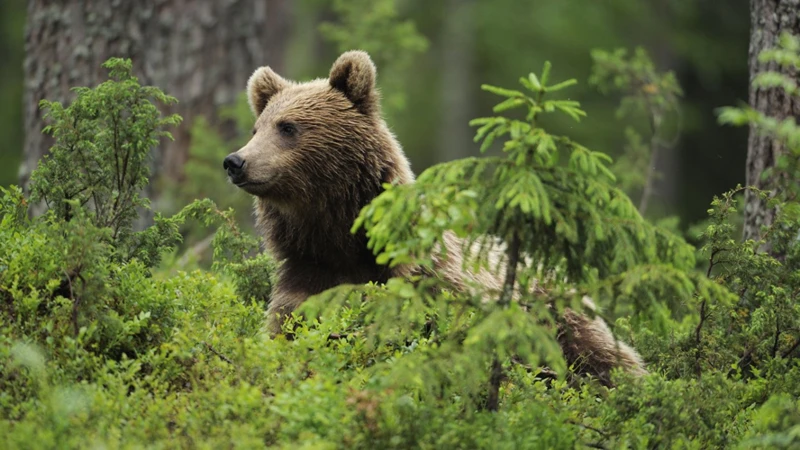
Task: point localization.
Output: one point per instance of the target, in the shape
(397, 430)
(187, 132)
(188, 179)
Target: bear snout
(234, 166)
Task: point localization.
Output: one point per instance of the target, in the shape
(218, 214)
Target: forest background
(431, 99)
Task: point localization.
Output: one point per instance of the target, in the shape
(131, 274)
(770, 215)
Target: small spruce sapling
(553, 203)
(645, 93)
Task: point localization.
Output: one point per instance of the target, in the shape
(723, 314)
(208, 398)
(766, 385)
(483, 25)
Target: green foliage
(551, 196)
(549, 199)
(100, 158)
(761, 327)
(100, 346)
(786, 130)
(78, 279)
(115, 122)
(209, 146)
(645, 91)
(645, 94)
(779, 422)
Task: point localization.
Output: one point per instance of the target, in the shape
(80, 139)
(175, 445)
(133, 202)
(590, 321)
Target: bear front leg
(281, 305)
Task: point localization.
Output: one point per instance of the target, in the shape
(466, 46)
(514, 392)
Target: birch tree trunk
(768, 19)
(199, 51)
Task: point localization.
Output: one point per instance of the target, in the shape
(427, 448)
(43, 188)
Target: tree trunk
(457, 50)
(667, 158)
(768, 19)
(199, 51)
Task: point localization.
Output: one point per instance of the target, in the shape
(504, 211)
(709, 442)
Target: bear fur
(320, 152)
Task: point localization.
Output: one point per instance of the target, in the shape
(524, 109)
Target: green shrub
(104, 342)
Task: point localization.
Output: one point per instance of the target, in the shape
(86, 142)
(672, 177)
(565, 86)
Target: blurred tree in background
(431, 97)
(649, 97)
(769, 20)
(108, 337)
(103, 342)
(12, 24)
(202, 53)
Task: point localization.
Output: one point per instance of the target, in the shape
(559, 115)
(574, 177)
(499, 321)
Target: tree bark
(768, 19)
(199, 51)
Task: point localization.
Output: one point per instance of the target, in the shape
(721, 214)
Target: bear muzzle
(234, 166)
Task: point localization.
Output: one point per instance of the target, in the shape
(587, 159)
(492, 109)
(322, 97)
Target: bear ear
(262, 85)
(353, 74)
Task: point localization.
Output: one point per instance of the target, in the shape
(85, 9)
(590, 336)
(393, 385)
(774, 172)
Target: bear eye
(287, 129)
(254, 131)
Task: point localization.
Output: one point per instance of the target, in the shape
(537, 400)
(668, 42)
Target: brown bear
(320, 152)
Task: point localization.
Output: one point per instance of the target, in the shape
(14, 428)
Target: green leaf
(510, 103)
(537, 86)
(501, 91)
(545, 72)
(562, 85)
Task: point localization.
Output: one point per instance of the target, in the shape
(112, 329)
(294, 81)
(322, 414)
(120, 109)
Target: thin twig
(777, 337)
(711, 262)
(591, 428)
(697, 333)
(544, 373)
(792, 348)
(75, 302)
(496, 377)
(220, 355)
(703, 315)
(594, 445)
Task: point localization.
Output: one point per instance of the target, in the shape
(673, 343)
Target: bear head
(318, 144)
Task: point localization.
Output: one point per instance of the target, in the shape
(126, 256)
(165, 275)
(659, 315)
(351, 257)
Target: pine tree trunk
(768, 19)
(199, 51)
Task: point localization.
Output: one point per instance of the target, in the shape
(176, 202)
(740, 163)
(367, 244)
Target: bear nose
(233, 163)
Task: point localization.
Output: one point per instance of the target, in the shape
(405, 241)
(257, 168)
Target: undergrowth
(105, 343)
